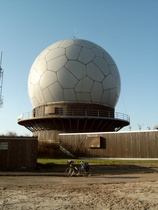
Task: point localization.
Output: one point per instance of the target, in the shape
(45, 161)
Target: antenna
(1, 59)
(1, 81)
(75, 34)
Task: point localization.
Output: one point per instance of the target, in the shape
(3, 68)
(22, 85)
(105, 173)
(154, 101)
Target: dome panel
(66, 79)
(83, 97)
(55, 53)
(34, 77)
(94, 72)
(66, 43)
(38, 94)
(98, 52)
(47, 79)
(31, 91)
(96, 92)
(114, 71)
(56, 91)
(85, 55)
(84, 43)
(76, 68)
(118, 86)
(40, 66)
(109, 82)
(34, 101)
(102, 65)
(72, 52)
(108, 58)
(105, 97)
(47, 96)
(54, 46)
(113, 97)
(43, 54)
(69, 95)
(84, 85)
(116, 100)
(57, 63)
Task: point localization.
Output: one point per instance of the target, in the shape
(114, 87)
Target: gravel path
(132, 191)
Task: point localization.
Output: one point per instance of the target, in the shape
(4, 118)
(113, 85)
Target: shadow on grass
(122, 169)
(51, 167)
(99, 169)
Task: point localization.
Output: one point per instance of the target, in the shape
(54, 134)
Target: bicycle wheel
(69, 172)
(88, 172)
(81, 171)
(84, 172)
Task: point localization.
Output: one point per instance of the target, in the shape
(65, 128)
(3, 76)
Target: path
(35, 180)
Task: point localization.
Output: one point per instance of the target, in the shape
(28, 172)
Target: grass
(51, 161)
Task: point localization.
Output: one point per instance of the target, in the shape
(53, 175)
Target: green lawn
(92, 161)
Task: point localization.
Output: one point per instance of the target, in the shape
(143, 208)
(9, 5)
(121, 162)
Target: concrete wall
(143, 144)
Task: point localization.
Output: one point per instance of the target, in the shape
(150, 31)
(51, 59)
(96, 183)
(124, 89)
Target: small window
(93, 142)
(3, 145)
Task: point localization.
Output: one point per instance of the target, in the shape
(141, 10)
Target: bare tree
(140, 126)
(156, 127)
(11, 133)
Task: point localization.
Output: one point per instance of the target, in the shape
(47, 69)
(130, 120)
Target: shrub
(49, 150)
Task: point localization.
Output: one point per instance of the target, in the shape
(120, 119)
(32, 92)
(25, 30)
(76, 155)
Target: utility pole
(1, 81)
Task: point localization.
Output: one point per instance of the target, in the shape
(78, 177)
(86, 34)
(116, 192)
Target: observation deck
(74, 120)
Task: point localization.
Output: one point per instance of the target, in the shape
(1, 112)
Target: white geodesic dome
(76, 71)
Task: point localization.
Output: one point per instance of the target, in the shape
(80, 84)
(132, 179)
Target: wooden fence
(18, 152)
(143, 144)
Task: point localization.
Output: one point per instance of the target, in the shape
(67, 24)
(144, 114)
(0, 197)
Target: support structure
(1, 81)
(47, 121)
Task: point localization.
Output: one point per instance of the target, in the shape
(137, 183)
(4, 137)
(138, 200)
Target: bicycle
(85, 171)
(73, 170)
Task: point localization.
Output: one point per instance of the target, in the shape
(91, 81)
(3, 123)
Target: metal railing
(76, 113)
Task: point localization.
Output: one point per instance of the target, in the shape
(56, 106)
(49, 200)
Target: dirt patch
(80, 196)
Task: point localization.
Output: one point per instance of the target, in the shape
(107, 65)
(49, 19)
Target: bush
(49, 150)
(78, 149)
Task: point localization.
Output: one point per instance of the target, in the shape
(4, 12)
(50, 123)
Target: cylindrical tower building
(74, 86)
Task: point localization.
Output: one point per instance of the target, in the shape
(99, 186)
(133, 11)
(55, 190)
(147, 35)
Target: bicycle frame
(72, 170)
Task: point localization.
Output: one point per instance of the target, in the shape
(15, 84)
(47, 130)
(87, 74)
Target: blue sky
(126, 29)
